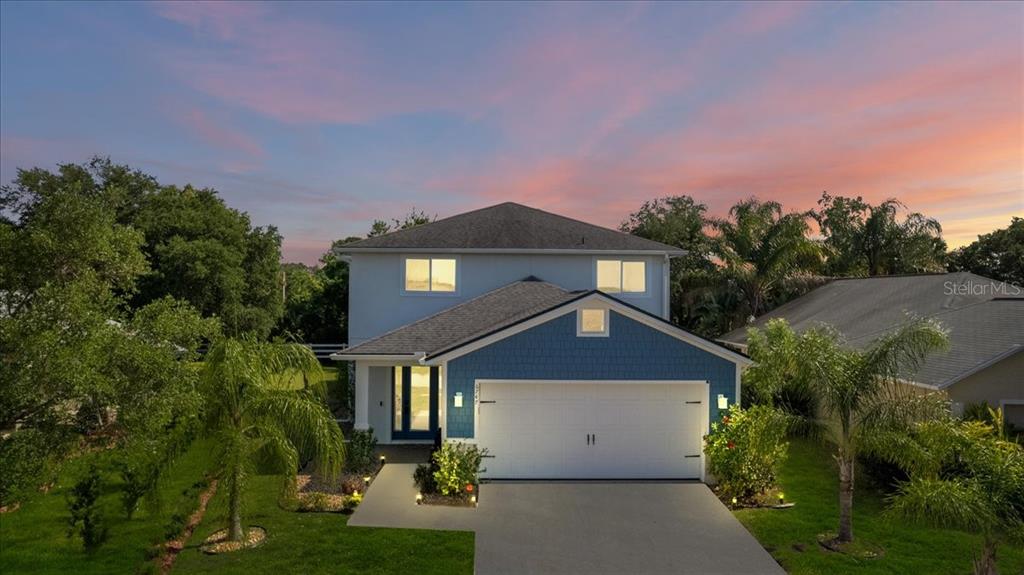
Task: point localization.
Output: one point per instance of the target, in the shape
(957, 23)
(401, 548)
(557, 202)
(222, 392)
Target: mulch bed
(172, 548)
(218, 543)
(448, 500)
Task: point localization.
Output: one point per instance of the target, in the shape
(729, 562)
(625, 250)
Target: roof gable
(509, 227)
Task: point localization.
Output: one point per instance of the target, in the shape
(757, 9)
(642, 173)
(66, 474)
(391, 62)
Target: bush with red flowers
(745, 449)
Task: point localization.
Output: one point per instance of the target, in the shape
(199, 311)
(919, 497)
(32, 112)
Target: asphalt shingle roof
(466, 321)
(509, 226)
(985, 318)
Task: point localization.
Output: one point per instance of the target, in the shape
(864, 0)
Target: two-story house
(544, 339)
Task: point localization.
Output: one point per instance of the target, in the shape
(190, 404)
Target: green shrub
(86, 517)
(745, 450)
(458, 465)
(359, 450)
(30, 460)
(423, 477)
(353, 501)
(315, 501)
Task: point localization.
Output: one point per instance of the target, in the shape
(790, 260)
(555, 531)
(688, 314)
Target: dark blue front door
(414, 403)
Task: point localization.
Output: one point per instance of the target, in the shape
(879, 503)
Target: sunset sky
(318, 118)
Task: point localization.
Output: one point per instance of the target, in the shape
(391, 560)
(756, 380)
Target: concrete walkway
(585, 527)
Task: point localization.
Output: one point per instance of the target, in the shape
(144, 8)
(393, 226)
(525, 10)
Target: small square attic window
(592, 322)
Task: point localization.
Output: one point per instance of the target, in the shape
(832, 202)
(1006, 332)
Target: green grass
(323, 543)
(329, 376)
(809, 478)
(34, 539)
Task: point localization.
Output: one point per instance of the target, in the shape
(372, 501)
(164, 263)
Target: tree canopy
(998, 255)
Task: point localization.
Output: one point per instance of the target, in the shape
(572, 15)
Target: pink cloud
(220, 135)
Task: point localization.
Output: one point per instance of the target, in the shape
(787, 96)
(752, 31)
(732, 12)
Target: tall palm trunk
(986, 564)
(235, 505)
(846, 463)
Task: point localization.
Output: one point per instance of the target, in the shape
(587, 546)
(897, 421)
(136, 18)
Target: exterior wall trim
(566, 251)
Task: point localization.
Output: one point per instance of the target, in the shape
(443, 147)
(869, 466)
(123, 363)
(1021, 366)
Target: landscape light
(366, 479)
(472, 499)
(419, 498)
(782, 498)
(734, 501)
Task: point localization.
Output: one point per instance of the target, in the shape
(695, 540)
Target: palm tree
(984, 495)
(255, 415)
(761, 248)
(857, 391)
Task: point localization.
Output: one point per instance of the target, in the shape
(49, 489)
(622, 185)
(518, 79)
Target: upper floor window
(430, 275)
(618, 276)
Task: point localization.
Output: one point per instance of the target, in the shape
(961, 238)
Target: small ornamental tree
(745, 450)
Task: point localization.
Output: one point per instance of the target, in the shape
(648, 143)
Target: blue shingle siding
(553, 351)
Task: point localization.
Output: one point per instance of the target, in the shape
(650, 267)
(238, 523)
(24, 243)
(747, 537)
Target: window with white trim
(430, 275)
(592, 322)
(621, 276)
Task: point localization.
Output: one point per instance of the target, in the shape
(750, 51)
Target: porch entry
(414, 402)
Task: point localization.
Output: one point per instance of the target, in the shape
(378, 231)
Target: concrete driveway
(586, 527)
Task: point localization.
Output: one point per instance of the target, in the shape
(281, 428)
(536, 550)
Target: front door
(414, 405)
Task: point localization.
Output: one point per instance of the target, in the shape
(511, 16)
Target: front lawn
(323, 543)
(34, 539)
(809, 478)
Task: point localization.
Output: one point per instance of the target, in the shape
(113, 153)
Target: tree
(961, 474)
(865, 239)
(254, 415)
(761, 249)
(859, 390)
(198, 249)
(75, 358)
(412, 219)
(680, 221)
(206, 253)
(998, 255)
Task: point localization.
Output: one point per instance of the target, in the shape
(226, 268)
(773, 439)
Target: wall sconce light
(723, 401)
(458, 399)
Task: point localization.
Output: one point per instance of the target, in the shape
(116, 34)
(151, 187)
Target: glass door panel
(419, 398)
(415, 402)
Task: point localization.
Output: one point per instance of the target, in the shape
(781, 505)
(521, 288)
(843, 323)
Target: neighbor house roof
(509, 227)
(985, 318)
(490, 311)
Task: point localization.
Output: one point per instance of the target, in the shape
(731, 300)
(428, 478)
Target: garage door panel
(541, 430)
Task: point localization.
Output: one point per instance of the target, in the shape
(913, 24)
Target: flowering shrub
(458, 465)
(745, 449)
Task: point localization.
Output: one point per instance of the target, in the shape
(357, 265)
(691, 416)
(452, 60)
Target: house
(541, 338)
(985, 320)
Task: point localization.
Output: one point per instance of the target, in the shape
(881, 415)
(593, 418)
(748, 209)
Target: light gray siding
(377, 303)
(380, 402)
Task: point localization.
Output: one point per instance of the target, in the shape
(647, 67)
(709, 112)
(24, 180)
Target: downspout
(666, 272)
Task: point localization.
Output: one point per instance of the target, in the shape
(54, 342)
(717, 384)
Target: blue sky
(318, 117)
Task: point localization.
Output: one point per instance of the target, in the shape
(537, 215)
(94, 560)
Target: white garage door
(577, 430)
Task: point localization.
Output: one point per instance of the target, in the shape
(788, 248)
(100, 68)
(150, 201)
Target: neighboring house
(985, 320)
(541, 338)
